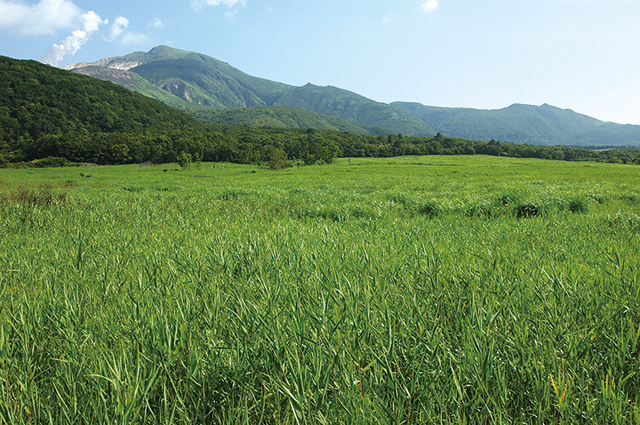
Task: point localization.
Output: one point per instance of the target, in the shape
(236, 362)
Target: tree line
(276, 147)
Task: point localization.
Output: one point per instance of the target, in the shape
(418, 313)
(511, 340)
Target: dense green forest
(50, 116)
(277, 116)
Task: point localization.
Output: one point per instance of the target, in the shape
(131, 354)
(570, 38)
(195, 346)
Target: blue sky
(578, 54)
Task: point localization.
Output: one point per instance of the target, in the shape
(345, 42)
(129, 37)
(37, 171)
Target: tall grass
(330, 294)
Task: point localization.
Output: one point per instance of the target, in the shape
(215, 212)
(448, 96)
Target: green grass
(404, 290)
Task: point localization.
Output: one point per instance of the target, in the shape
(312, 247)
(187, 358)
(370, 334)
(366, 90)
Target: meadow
(435, 289)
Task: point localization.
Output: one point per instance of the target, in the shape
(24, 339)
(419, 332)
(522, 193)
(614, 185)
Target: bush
(430, 209)
(184, 160)
(508, 199)
(527, 210)
(577, 205)
(277, 159)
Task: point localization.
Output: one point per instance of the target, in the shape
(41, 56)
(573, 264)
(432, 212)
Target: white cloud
(430, 6)
(199, 4)
(44, 17)
(91, 22)
(117, 27)
(130, 38)
(157, 23)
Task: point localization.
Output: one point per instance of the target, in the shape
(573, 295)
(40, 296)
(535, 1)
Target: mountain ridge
(201, 81)
(195, 82)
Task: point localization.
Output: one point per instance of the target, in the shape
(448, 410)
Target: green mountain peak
(193, 81)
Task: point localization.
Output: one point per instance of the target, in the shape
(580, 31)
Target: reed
(362, 292)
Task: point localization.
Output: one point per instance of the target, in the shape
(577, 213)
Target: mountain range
(215, 92)
(192, 81)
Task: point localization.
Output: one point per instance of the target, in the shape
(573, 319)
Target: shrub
(527, 210)
(184, 160)
(277, 159)
(430, 209)
(577, 205)
(399, 198)
(508, 199)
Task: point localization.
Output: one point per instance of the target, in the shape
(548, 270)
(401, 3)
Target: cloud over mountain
(91, 22)
(117, 27)
(48, 17)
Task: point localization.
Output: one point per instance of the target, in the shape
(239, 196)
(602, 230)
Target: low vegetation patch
(37, 197)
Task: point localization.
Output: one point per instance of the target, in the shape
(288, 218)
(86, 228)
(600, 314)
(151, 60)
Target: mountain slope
(537, 125)
(198, 80)
(134, 82)
(353, 107)
(274, 116)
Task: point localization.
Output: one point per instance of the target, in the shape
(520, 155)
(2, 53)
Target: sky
(582, 55)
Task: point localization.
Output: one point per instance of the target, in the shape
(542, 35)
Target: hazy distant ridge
(537, 125)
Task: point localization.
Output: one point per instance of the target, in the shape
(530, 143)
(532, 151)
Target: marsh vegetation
(466, 289)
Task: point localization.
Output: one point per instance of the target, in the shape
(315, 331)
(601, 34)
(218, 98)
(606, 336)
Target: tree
(197, 159)
(120, 153)
(277, 158)
(184, 160)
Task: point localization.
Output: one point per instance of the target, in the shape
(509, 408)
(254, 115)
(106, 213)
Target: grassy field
(378, 291)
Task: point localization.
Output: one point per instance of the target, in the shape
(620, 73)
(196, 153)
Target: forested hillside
(50, 113)
(42, 106)
(277, 117)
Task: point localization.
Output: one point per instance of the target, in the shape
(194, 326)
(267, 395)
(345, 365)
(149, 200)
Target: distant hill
(192, 81)
(536, 125)
(355, 108)
(278, 117)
